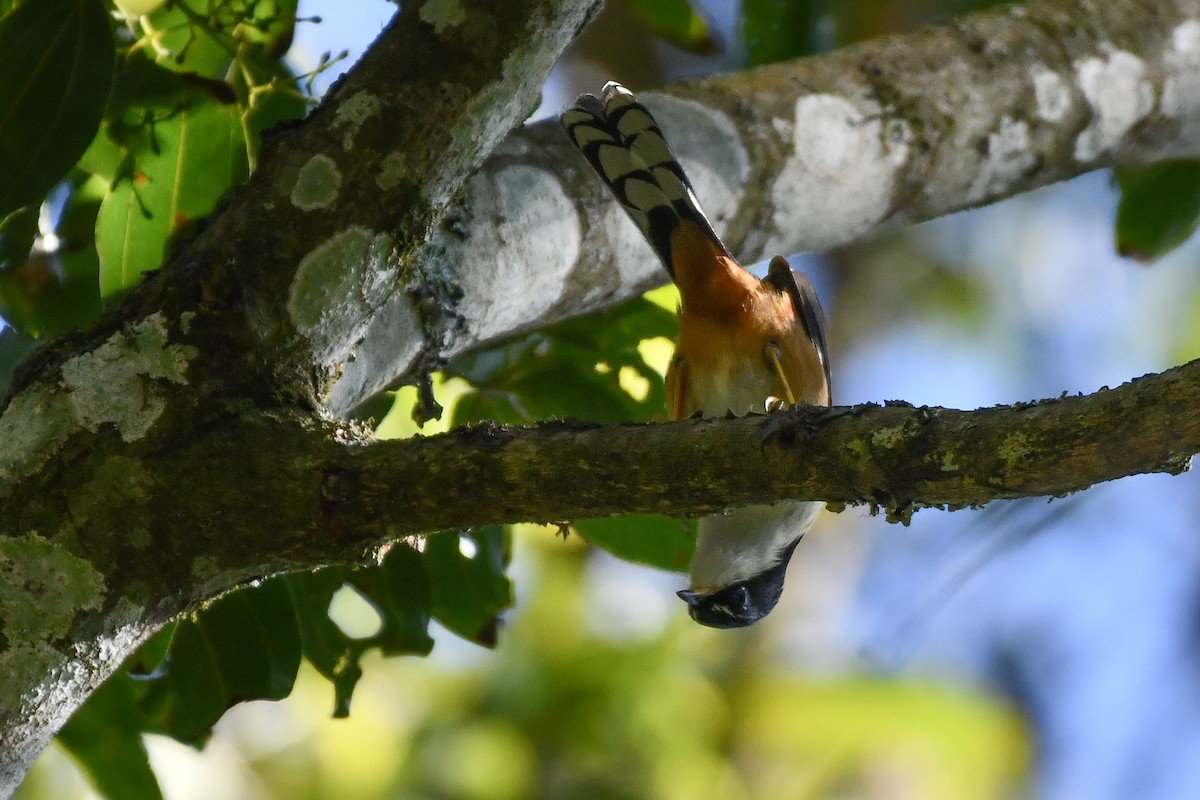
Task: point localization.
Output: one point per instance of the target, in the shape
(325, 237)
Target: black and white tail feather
(625, 146)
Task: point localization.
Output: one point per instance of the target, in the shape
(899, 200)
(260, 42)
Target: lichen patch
(1120, 96)
(43, 587)
(317, 184)
(840, 176)
(1052, 93)
(117, 383)
(32, 428)
(1009, 157)
(1013, 449)
(442, 14)
(392, 171)
(512, 264)
(1181, 84)
(337, 286)
(353, 112)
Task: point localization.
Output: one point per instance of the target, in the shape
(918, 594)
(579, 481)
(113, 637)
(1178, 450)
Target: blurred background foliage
(915, 663)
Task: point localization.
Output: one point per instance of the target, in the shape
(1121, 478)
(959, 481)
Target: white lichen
(1009, 157)
(1181, 83)
(118, 382)
(518, 252)
(840, 177)
(317, 184)
(1120, 96)
(1052, 93)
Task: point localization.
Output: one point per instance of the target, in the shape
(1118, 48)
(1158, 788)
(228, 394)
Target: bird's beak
(688, 596)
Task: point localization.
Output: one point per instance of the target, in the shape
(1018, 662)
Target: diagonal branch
(822, 151)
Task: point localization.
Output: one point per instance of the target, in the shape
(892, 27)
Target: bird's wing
(680, 402)
(808, 308)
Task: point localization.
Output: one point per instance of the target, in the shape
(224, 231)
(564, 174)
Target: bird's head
(743, 602)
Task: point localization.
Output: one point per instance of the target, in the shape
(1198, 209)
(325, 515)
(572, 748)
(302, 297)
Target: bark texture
(185, 444)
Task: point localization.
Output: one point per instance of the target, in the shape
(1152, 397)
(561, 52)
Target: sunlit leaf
(56, 68)
(469, 587)
(274, 23)
(185, 165)
(185, 46)
(660, 542)
(1159, 209)
(243, 646)
(677, 22)
(776, 30)
(572, 369)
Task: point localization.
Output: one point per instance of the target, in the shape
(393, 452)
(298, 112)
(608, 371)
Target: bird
(745, 345)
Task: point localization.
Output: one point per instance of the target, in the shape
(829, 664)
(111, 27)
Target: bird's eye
(741, 599)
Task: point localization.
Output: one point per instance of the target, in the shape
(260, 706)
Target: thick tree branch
(260, 310)
(822, 151)
(178, 447)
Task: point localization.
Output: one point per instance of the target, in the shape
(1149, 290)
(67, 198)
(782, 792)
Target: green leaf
(243, 646)
(274, 23)
(14, 346)
(105, 737)
(776, 30)
(18, 229)
(573, 369)
(677, 22)
(23, 275)
(185, 46)
(470, 589)
(660, 542)
(398, 588)
(185, 165)
(56, 69)
(1159, 208)
(325, 646)
(47, 292)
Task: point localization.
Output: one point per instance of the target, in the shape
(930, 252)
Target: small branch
(897, 456)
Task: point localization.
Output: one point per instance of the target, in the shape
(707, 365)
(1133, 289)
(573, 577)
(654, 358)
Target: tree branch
(896, 456)
(818, 152)
(258, 311)
(177, 448)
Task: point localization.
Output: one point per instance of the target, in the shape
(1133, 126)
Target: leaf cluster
(118, 134)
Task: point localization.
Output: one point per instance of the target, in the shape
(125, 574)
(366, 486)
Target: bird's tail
(623, 143)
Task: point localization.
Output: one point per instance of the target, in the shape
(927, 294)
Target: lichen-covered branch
(184, 443)
(260, 310)
(896, 456)
(818, 152)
